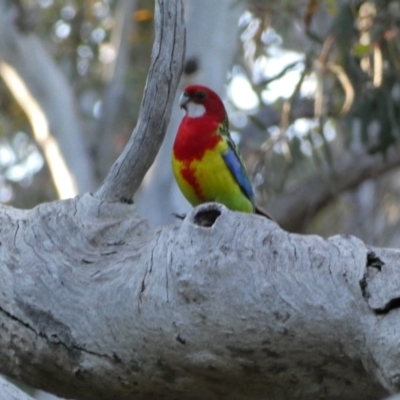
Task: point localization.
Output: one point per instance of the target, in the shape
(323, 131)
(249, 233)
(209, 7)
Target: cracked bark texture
(96, 304)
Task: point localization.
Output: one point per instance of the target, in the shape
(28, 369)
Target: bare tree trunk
(96, 304)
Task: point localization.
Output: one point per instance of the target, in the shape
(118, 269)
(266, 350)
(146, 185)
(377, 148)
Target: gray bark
(95, 304)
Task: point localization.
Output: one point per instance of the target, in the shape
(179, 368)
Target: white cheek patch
(195, 110)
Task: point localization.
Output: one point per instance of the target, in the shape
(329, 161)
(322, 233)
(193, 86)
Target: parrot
(206, 162)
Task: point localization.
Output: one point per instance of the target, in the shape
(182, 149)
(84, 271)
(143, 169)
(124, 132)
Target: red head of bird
(199, 101)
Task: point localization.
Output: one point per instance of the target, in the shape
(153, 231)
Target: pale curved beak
(183, 100)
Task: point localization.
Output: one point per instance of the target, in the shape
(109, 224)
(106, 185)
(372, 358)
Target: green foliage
(351, 54)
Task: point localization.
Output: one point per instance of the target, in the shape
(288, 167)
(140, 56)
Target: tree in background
(337, 127)
(80, 45)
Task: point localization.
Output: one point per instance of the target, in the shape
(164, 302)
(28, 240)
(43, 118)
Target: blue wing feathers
(236, 168)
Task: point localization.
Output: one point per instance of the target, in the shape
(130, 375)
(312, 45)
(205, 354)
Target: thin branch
(286, 114)
(128, 171)
(280, 74)
(347, 86)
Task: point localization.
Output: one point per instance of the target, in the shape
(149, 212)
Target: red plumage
(196, 135)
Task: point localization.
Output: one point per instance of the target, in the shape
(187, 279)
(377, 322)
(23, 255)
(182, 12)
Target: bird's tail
(260, 211)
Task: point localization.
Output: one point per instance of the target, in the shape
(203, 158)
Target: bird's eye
(200, 95)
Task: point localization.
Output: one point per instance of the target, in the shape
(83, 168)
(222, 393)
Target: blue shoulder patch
(235, 166)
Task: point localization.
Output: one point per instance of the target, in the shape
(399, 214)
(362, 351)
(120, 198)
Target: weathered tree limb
(165, 71)
(47, 98)
(296, 207)
(95, 304)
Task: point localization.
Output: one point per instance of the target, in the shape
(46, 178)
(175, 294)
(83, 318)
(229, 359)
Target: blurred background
(312, 89)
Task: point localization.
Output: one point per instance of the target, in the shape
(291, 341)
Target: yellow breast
(209, 179)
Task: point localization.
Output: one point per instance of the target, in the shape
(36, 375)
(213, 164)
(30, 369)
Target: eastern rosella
(205, 160)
